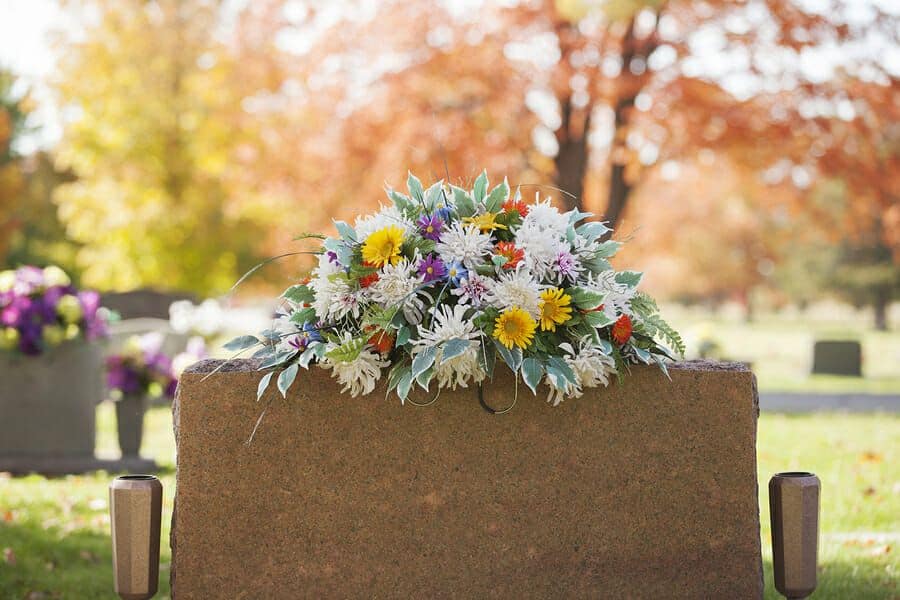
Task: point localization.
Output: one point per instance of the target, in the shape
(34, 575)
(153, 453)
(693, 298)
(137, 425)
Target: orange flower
(621, 330)
(513, 255)
(516, 205)
(381, 340)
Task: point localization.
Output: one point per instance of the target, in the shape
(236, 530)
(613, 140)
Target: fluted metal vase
(135, 510)
(794, 509)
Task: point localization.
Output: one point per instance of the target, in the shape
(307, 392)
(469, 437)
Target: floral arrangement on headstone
(40, 309)
(432, 288)
(143, 369)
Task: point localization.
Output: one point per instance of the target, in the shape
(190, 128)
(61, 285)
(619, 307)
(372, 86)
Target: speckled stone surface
(646, 490)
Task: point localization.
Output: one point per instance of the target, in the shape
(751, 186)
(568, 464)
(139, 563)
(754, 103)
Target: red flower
(381, 340)
(517, 206)
(621, 330)
(367, 280)
(513, 255)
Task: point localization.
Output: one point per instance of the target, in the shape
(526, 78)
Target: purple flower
(333, 257)
(432, 268)
(430, 227)
(566, 266)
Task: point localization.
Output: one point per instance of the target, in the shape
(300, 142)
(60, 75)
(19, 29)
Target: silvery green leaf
(286, 379)
(404, 385)
(513, 357)
(597, 264)
(608, 248)
(345, 231)
(586, 299)
(424, 378)
(264, 352)
(559, 380)
(434, 194)
(396, 374)
(662, 365)
(333, 244)
(497, 197)
(570, 234)
(558, 364)
(499, 260)
(532, 371)
(465, 206)
(277, 359)
(576, 215)
(242, 343)
(308, 355)
(487, 357)
(401, 201)
(592, 230)
(423, 360)
(481, 184)
(605, 346)
(402, 335)
(630, 278)
(598, 319)
(415, 188)
(643, 355)
(453, 348)
(263, 384)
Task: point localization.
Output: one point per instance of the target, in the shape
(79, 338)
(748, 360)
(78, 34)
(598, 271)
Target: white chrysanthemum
(358, 376)
(590, 366)
(617, 295)
(516, 288)
(473, 289)
(332, 290)
(451, 323)
(388, 215)
(545, 217)
(466, 244)
(541, 247)
(397, 285)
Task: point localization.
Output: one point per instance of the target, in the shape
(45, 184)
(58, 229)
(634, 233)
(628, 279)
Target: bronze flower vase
(135, 510)
(794, 509)
(130, 410)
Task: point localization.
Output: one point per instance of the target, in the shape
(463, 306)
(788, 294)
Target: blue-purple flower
(455, 272)
(430, 226)
(432, 268)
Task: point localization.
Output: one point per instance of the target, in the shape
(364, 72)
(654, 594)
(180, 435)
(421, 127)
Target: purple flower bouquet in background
(40, 309)
(143, 369)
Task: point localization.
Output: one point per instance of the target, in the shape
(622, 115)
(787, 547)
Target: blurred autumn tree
(587, 95)
(156, 148)
(12, 124)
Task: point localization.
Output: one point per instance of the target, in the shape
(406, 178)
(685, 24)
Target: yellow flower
(486, 222)
(555, 309)
(383, 246)
(514, 327)
(9, 338)
(69, 308)
(53, 335)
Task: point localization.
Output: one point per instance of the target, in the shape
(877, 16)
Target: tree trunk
(572, 159)
(882, 301)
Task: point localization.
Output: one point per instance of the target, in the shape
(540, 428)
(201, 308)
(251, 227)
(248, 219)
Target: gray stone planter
(130, 423)
(47, 403)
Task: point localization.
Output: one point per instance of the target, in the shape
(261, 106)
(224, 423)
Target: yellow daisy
(555, 309)
(486, 222)
(515, 327)
(383, 246)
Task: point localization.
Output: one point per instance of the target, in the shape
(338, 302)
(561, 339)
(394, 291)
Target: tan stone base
(646, 490)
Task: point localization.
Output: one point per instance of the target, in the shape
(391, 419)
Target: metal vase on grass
(135, 510)
(794, 508)
(130, 410)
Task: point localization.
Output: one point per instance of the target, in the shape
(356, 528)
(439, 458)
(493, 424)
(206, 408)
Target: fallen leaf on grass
(870, 457)
(869, 491)
(8, 516)
(880, 550)
(9, 556)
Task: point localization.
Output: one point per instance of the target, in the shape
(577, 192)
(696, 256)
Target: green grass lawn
(780, 348)
(54, 533)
